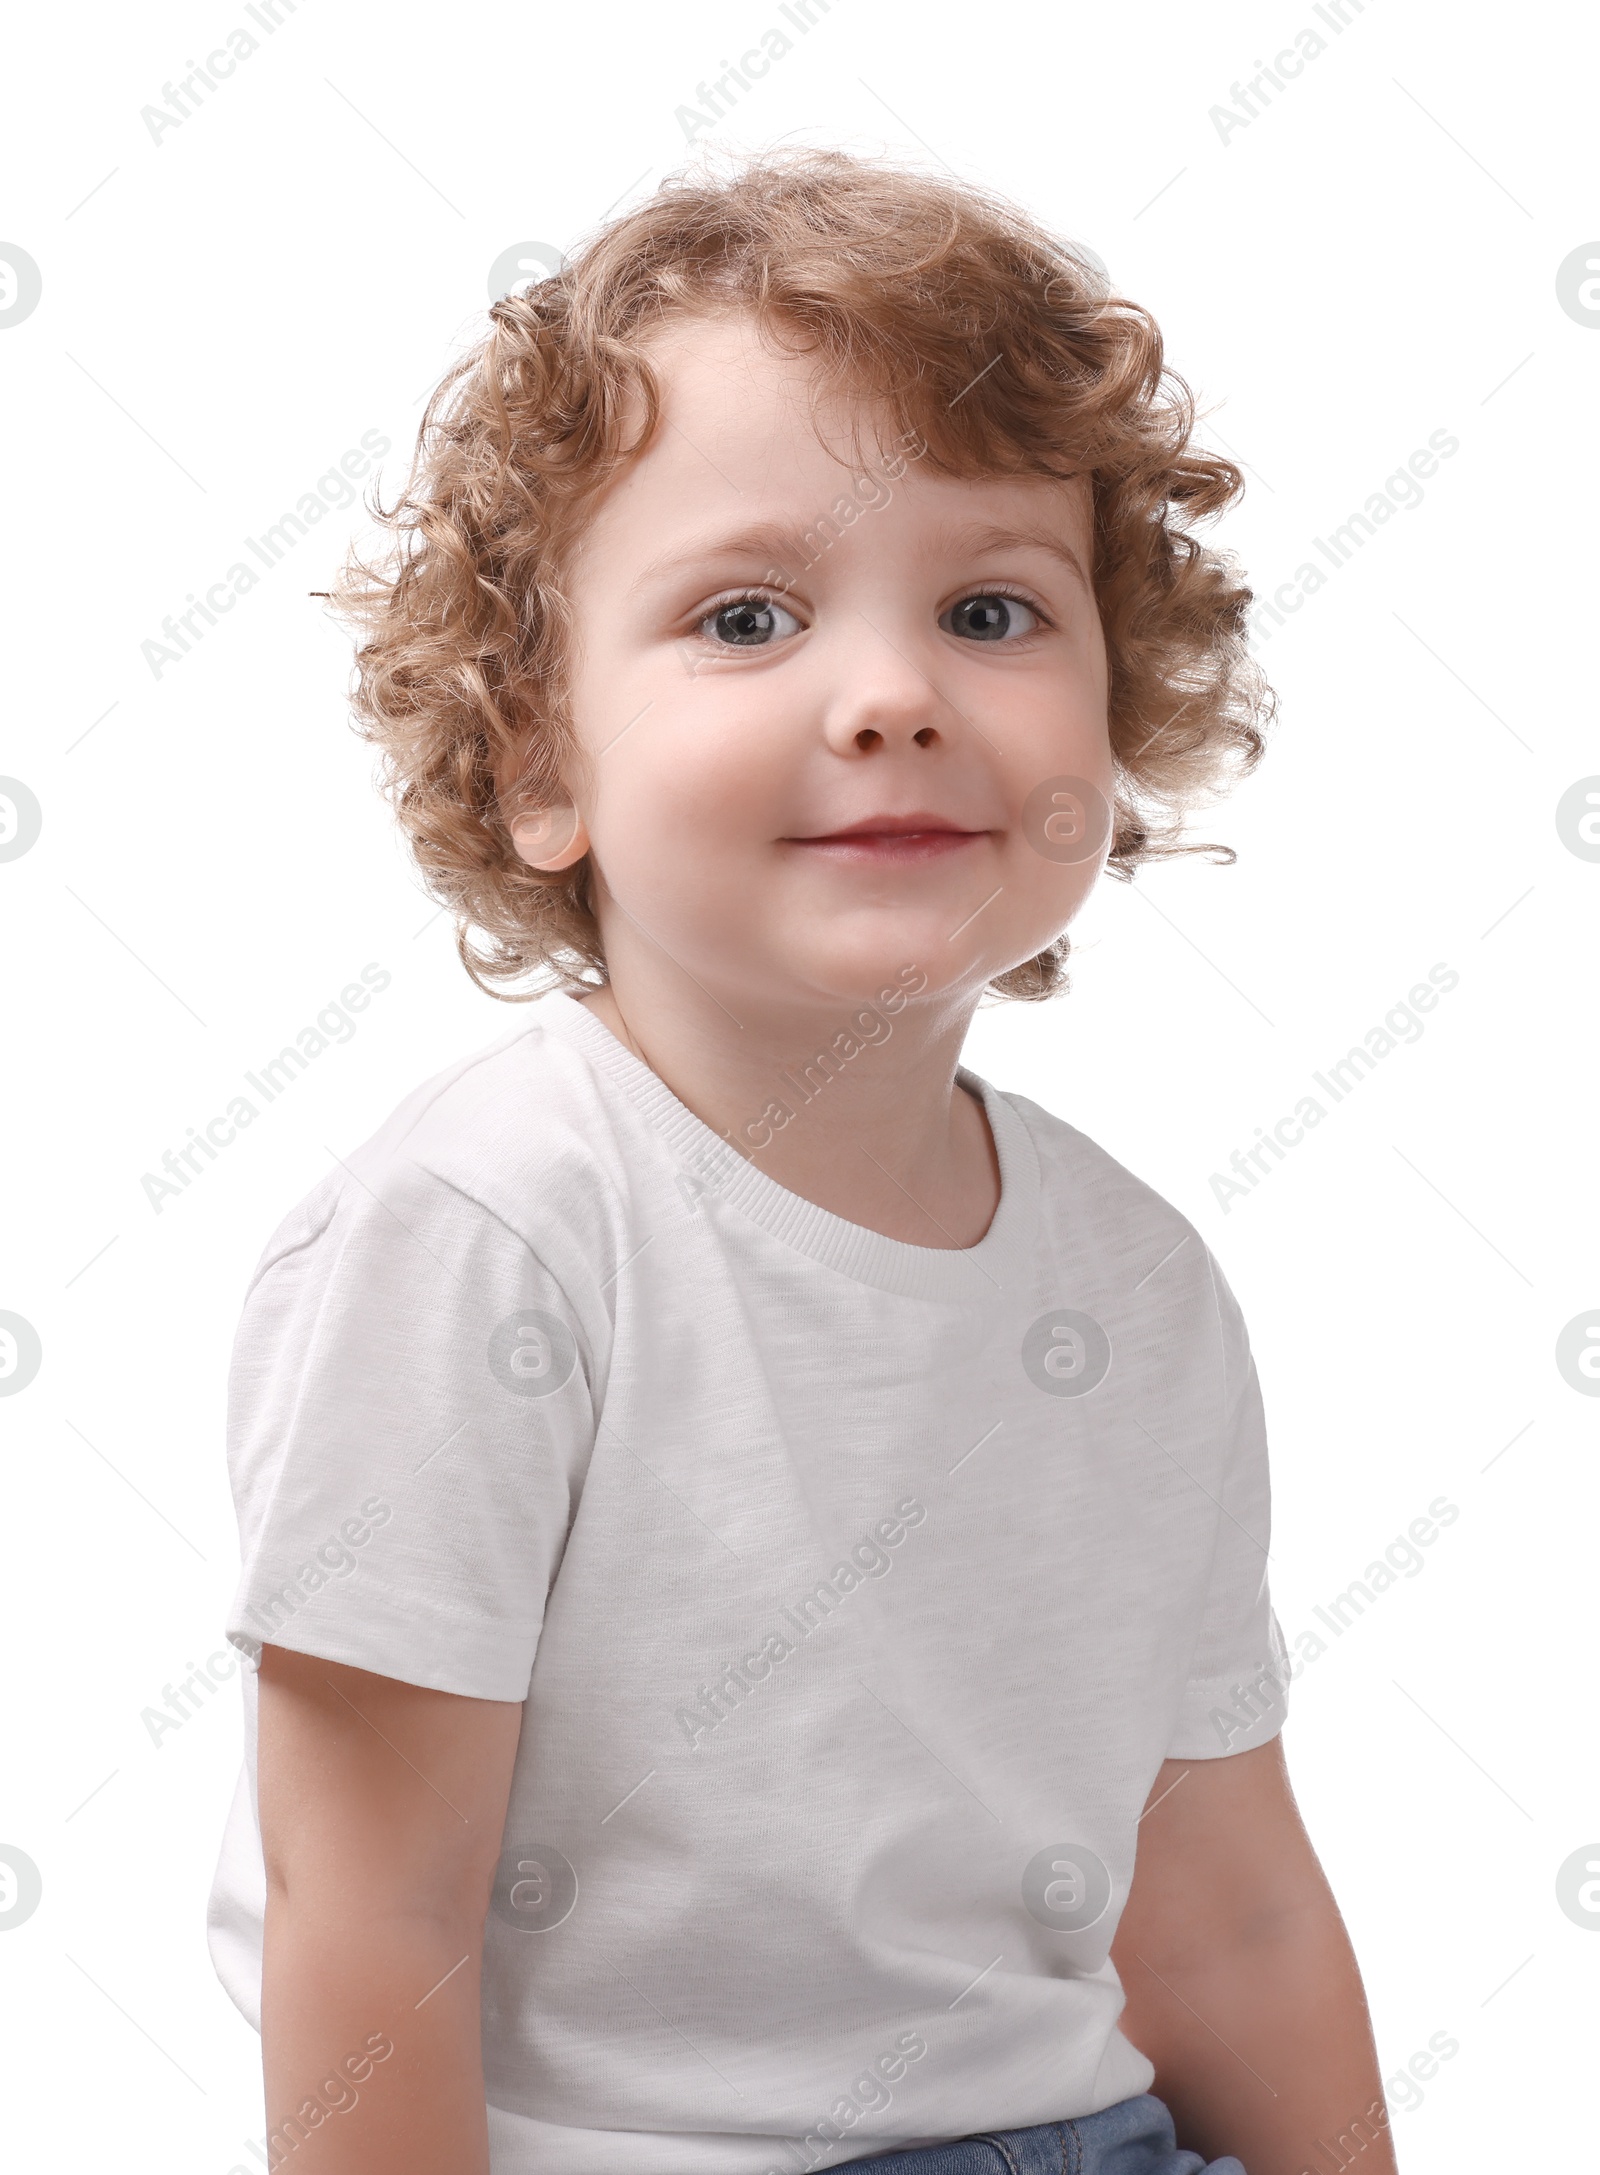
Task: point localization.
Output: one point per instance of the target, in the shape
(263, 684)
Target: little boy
(745, 1525)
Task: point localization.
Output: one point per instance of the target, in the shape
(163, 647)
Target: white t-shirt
(854, 1591)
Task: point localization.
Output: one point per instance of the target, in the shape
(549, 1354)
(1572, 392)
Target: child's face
(730, 739)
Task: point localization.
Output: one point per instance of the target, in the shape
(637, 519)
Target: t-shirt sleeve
(409, 1418)
(1235, 1697)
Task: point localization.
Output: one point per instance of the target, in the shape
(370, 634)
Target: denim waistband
(1135, 2137)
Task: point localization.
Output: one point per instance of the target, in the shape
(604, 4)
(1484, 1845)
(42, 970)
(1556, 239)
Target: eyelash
(757, 594)
(1017, 596)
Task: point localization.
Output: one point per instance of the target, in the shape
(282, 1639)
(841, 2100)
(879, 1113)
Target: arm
(382, 1807)
(1242, 1986)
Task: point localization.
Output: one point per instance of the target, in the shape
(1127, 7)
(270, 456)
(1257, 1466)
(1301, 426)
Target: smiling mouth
(917, 837)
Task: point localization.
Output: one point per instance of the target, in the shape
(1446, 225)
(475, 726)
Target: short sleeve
(1235, 1697)
(409, 1417)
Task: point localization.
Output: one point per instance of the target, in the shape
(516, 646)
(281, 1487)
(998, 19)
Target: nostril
(868, 738)
(926, 737)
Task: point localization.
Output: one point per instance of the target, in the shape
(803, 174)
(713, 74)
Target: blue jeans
(1133, 2138)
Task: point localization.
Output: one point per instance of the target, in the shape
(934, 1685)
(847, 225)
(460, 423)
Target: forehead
(748, 428)
(730, 375)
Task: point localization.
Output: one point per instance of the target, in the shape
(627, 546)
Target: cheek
(1060, 788)
(1084, 676)
(685, 800)
(1053, 703)
(1046, 894)
(1060, 774)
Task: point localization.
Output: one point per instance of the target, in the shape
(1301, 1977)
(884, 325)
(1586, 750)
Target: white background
(1371, 260)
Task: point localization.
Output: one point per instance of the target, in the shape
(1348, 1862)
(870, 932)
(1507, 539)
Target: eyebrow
(989, 536)
(774, 541)
(783, 545)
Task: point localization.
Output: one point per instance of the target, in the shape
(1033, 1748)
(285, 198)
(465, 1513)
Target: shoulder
(1143, 1254)
(509, 1143)
(1069, 1159)
(1106, 1206)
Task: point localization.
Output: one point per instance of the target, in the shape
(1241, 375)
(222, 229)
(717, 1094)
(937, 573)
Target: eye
(990, 616)
(752, 621)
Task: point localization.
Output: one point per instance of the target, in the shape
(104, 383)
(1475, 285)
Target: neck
(852, 1104)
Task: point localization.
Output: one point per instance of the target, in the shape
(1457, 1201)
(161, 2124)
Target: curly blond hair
(1002, 348)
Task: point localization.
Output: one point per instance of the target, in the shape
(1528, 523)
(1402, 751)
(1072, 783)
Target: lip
(918, 836)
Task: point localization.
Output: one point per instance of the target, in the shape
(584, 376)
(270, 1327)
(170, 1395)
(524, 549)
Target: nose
(882, 696)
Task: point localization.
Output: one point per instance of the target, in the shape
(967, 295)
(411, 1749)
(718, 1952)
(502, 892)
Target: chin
(919, 947)
(870, 973)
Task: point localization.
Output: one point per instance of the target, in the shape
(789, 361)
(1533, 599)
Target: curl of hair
(1001, 347)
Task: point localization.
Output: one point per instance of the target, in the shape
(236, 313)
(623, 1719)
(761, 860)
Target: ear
(550, 838)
